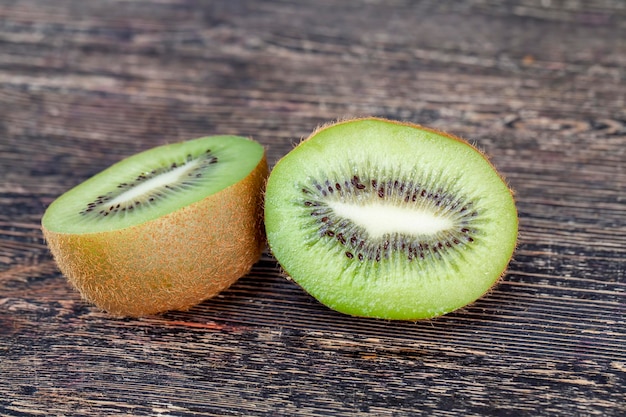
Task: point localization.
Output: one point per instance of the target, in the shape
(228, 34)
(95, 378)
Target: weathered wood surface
(539, 85)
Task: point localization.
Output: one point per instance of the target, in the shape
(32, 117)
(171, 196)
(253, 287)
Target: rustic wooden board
(538, 84)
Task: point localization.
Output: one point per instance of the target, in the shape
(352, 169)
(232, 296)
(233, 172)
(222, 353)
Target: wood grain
(540, 85)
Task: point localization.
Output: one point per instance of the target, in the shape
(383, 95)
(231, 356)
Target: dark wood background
(538, 84)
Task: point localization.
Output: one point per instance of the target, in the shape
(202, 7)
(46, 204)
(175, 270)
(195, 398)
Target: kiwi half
(163, 229)
(390, 220)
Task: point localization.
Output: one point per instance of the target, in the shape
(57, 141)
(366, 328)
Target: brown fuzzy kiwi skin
(173, 262)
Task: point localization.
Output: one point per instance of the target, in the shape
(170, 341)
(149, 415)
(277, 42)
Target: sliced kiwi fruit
(391, 220)
(164, 229)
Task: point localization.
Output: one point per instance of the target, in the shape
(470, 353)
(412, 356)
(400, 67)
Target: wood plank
(540, 85)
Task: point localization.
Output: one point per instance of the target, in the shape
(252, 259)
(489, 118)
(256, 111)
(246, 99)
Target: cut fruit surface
(163, 229)
(391, 220)
(153, 183)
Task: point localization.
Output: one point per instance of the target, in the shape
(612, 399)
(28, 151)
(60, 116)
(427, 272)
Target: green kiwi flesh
(164, 179)
(163, 229)
(390, 220)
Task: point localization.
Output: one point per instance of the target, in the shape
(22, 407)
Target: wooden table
(538, 84)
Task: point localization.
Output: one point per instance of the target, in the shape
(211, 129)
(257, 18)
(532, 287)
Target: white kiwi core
(380, 219)
(161, 180)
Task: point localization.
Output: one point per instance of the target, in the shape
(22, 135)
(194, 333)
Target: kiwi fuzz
(389, 219)
(171, 262)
